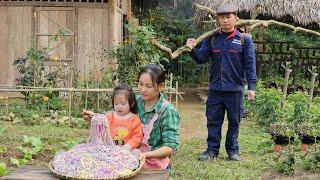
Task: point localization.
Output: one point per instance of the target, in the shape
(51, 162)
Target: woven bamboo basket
(133, 173)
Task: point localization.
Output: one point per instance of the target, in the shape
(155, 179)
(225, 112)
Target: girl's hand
(87, 115)
(127, 147)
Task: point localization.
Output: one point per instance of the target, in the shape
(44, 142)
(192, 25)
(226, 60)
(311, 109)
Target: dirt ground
(193, 119)
(192, 112)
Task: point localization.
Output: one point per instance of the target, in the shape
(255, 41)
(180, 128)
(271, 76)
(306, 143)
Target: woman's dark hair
(156, 73)
(125, 89)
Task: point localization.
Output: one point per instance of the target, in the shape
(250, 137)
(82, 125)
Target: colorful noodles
(98, 158)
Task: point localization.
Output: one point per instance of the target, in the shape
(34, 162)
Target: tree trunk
(174, 4)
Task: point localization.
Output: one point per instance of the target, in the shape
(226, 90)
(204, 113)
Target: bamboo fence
(171, 91)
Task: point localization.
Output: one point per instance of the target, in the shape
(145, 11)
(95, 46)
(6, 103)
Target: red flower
(304, 148)
(277, 148)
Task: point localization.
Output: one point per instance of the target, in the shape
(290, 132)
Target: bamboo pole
(54, 89)
(167, 90)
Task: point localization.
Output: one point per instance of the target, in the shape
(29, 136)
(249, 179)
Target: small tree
(134, 54)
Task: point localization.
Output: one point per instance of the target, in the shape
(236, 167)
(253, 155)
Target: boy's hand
(87, 115)
(251, 95)
(191, 43)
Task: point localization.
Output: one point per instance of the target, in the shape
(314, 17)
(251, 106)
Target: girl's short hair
(128, 92)
(156, 73)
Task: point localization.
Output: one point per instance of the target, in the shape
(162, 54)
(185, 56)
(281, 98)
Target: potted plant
(282, 132)
(306, 132)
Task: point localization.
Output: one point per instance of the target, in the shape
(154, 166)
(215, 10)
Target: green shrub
(133, 55)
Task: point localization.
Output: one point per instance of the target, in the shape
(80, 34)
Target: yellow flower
(55, 57)
(45, 98)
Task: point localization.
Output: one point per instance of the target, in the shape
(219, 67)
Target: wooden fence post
(70, 102)
(7, 103)
(177, 97)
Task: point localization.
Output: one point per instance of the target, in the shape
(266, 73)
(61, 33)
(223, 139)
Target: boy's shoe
(234, 157)
(207, 155)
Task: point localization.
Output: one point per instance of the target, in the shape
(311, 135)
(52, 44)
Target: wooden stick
(286, 81)
(62, 26)
(314, 74)
(209, 10)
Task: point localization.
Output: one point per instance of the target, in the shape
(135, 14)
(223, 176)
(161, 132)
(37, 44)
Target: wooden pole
(7, 103)
(57, 89)
(177, 98)
(260, 49)
(171, 77)
(86, 98)
(286, 80)
(112, 29)
(98, 101)
(70, 103)
(314, 74)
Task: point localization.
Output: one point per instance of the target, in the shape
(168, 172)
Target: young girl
(124, 125)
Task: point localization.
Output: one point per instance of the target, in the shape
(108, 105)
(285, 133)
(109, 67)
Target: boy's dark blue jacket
(233, 62)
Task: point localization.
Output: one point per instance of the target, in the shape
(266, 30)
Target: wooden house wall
(96, 29)
(15, 39)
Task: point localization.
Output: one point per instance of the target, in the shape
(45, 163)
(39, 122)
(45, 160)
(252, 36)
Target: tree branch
(204, 8)
(252, 23)
(184, 48)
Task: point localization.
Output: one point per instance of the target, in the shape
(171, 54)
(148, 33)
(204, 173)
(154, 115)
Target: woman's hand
(143, 155)
(161, 152)
(87, 115)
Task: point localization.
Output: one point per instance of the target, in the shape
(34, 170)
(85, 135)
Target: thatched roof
(303, 11)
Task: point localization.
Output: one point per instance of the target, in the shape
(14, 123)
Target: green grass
(53, 138)
(256, 153)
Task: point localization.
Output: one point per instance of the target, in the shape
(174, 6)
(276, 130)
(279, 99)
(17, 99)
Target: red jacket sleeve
(136, 131)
